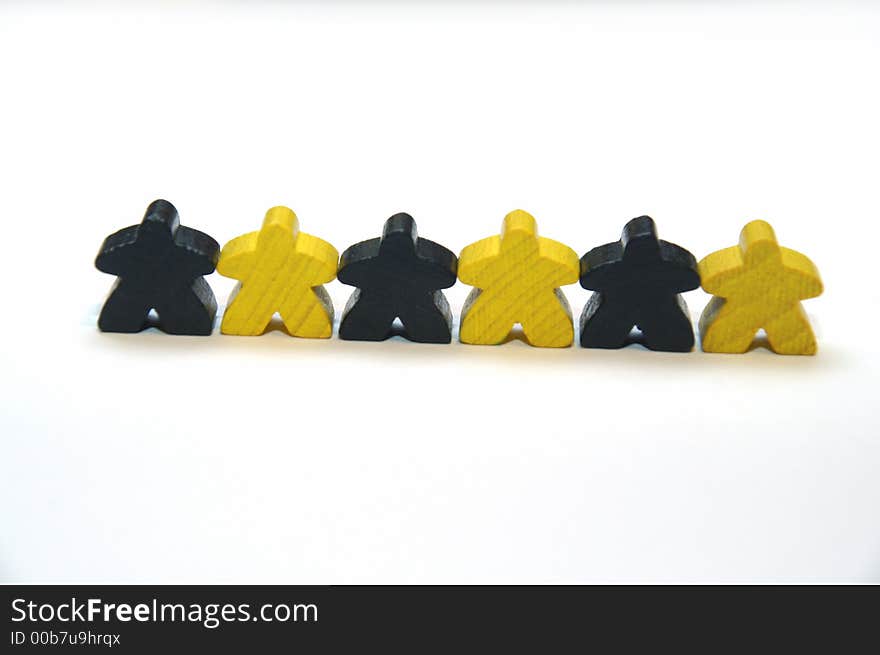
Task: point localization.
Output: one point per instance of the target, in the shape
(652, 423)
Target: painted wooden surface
(279, 269)
(637, 282)
(159, 264)
(398, 275)
(758, 284)
(517, 276)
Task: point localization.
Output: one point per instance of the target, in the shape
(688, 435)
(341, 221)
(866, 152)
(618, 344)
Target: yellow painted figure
(279, 269)
(758, 284)
(517, 276)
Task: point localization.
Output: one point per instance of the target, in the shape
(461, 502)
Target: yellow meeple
(517, 276)
(758, 284)
(279, 269)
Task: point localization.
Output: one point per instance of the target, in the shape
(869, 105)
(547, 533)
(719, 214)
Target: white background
(149, 458)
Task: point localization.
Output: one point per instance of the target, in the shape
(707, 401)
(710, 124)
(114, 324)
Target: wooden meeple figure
(280, 270)
(517, 276)
(398, 276)
(159, 264)
(637, 282)
(758, 284)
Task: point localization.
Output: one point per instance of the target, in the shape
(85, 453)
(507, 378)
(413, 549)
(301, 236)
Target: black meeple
(159, 265)
(637, 282)
(398, 276)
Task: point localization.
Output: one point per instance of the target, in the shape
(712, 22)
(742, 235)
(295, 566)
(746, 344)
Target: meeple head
(279, 223)
(399, 232)
(639, 237)
(757, 241)
(160, 221)
(518, 226)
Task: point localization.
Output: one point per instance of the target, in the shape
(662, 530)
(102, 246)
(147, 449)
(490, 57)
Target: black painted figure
(637, 282)
(398, 276)
(159, 265)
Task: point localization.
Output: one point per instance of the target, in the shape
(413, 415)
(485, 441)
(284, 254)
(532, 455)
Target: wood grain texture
(517, 276)
(398, 275)
(279, 269)
(159, 264)
(637, 281)
(758, 284)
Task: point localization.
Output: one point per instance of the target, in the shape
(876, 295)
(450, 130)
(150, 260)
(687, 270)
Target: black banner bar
(268, 619)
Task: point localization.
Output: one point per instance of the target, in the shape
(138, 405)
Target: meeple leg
(667, 326)
(790, 333)
(308, 312)
(248, 312)
(723, 330)
(428, 320)
(483, 321)
(604, 323)
(549, 325)
(188, 310)
(366, 318)
(125, 310)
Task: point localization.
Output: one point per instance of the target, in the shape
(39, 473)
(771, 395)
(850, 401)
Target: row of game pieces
(517, 275)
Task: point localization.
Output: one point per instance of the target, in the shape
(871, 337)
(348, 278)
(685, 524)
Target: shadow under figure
(636, 283)
(398, 275)
(159, 265)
